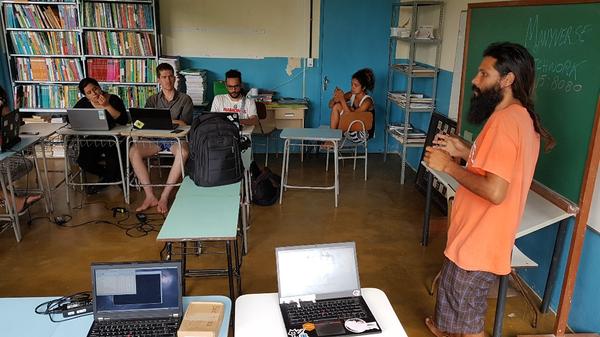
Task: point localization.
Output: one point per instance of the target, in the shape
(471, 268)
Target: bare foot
(326, 146)
(434, 330)
(23, 203)
(148, 202)
(163, 205)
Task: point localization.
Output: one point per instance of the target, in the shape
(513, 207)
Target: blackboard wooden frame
(589, 174)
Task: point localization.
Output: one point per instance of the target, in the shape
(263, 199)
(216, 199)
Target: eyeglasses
(237, 86)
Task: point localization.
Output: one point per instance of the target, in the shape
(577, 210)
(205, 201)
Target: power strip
(77, 308)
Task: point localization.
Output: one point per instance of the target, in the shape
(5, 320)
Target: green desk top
(202, 213)
(188, 188)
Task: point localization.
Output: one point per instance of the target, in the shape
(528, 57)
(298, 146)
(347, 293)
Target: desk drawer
(289, 114)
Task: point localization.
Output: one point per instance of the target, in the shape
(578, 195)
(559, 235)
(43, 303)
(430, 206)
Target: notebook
(152, 119)
(10, 124)
(319, 291)
(136, 298)
(88, 119)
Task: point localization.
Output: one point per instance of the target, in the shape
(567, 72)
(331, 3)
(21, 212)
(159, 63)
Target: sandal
(28, 201)
(434, 329)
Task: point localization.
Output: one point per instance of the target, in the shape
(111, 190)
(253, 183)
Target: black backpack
(215, 157)
(265, 185)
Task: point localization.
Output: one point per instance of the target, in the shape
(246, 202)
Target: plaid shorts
(462, 299)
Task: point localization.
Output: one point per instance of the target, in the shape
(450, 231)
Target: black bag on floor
(215, 157)
(265, 185)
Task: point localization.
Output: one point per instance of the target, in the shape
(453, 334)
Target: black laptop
(152, 119)
(136, 298)
(326, 299)
(10, 125)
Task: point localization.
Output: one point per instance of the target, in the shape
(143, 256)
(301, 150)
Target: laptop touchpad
(329, 327)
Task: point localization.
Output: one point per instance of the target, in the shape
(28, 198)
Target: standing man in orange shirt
(493, 186)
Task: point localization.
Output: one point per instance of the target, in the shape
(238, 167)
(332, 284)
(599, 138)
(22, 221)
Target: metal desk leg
(9, 201)
(230, 271)
(337, 171)
(425, 237)
(40, 181)
(283, 170)
(287, 160)
(551, 281)
(502, 288)
(48, 190)
(244, 229)
(125, 195)
(66, 144)
(184, 264)
(238, 266)
(126, 186)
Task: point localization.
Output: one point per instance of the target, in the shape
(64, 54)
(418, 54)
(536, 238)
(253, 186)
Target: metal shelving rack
(411, 72)
(81, 56)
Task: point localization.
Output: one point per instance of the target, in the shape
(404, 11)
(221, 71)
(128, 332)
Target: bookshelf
(405, 95)
(52, 45)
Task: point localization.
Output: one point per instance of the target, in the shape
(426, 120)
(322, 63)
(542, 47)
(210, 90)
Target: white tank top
(361, 101)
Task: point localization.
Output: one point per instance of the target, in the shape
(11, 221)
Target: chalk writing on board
(566, 67)
(539, 36)
(551, 74)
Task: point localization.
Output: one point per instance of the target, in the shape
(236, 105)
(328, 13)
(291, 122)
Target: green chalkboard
(565, 42)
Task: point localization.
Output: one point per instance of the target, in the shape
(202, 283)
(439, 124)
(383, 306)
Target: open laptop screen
(329, 270)
(137, 289)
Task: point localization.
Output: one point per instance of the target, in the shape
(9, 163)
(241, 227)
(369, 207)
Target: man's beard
(484, 103)
(235, 94)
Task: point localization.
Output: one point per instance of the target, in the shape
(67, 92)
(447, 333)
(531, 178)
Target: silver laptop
(88, 119)
(319, 291)
(136, 298)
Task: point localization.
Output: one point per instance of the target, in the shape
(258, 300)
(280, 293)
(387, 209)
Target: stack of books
(122, 70)
(265, 96)
(416, 69)
(417, 101)
(414, 135)
(118, 15)
(48, 96)
(119, 43)
(45, 43)
(49, 69)
(41, 17)
(195, 84)
(133, 96)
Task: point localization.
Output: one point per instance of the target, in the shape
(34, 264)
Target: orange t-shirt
(481, 234)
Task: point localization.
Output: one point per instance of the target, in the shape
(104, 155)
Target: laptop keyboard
(133, 328)
(342, 308)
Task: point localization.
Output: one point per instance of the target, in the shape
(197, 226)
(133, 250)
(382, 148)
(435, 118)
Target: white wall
(451, 20)
(240, 29)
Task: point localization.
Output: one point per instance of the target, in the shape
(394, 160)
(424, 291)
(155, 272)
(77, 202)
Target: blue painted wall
(585, 309)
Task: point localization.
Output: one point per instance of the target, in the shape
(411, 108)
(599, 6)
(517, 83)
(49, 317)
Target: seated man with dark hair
(102, 161)
(235, 100)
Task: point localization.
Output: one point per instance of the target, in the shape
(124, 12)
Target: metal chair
(355, 137)
(264, 129)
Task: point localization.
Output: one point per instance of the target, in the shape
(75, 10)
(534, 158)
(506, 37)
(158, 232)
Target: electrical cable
(65, 304)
